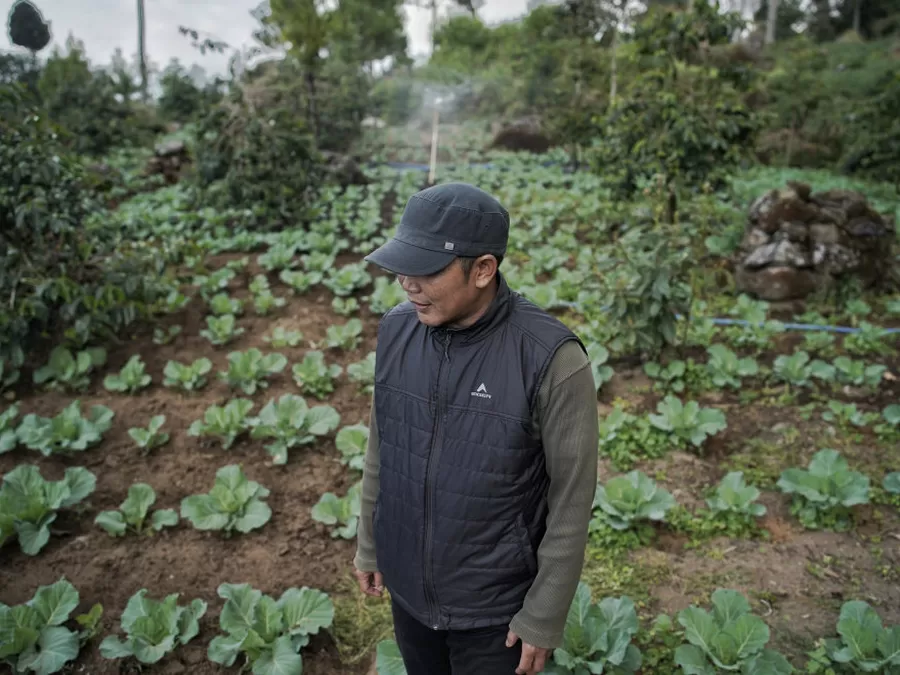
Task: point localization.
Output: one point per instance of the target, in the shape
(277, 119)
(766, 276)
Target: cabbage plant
(164, 336)
(342, 513)
(68, 371)
(290, 422)
(688, 421)
(345, 280)
(726, 369)
(68, 432)
(728, 639)
(824, 493)
(870, 339)
(249, 370)
(279, 256)
(857, 373)
(597, 638)
(133, 512)
(300, 282)
(345, 306)
(8, 439)
(132, 378)
(266, 302)
(187, 377)
(281, 338)
(222, 304)
(363, 373)
(153, 628)
(33, 635)
(213, 283)
(29, 504)
(314, 376)
(221, 329)
(889, 429)
(235, 504)
(351, 442)
(345, 336)
(268, 633)
(386, 295)
(864, 645)
(734, 496)
(10, 363)
(626, 500)
(599, 355)
(797, 370)
(152, 437)
(224, 422)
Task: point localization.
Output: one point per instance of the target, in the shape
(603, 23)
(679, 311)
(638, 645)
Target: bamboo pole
(434, 147)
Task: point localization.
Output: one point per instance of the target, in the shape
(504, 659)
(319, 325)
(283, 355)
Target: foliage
(345, 306)
(314, 376)
(688, 421)
(28, 503)
(625, 438)
(797, 370)
(363, 373)
(300, 282)
(824, 493)
(345, 280)
(386, 294)
(8, 438)
(221, 304)
(189, 378)
(269, 633)
(69, 371)
(388, 659)
(351, 442)
(731, 638)
(249, 370)
(224, 422)
(234, 504)
(857, 373)
(344, 336)
(152, 437)
(130, 379)
(164, 336)
(733, 495)
(221, 329)
(284, 338)
(598, 356)
(627, 499)
(265, 302)
(133, 512)
(68, 432)
(27, 28)
(290, 422)
(598, 637)
(342, 512)
(864, 645)
(847, 414)
(35, 638)
(154, 628)
(727, 369)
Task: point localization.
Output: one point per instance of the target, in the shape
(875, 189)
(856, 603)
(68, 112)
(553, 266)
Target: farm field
(757, 399)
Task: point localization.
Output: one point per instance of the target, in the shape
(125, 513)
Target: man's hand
(533, 658)
(370, 583)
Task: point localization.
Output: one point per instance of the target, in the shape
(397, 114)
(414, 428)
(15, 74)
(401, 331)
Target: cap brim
(398, 257)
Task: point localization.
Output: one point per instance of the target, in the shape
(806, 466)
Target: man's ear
(484, 270)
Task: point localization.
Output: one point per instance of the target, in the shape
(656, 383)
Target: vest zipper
(433, 455)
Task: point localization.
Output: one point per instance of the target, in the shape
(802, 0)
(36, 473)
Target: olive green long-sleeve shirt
(566, 418)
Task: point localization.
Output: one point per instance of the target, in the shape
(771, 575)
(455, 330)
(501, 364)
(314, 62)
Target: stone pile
(797, 242)
(169, 159)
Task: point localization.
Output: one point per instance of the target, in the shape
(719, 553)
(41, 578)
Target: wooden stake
(434, 146)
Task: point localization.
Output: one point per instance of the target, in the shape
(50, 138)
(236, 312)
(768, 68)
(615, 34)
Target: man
(482, 459)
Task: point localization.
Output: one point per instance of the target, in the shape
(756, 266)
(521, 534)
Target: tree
(26, 27)
(141, 48)
(122, 76)
(771, 21)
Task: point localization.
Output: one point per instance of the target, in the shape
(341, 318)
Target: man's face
(447, 297)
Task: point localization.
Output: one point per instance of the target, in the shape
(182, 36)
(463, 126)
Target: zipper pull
(447, 347)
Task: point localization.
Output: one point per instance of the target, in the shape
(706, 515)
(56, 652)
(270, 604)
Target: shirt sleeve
(567, 418)
(365, 541)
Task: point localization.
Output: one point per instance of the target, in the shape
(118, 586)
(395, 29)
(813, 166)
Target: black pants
(481, 651)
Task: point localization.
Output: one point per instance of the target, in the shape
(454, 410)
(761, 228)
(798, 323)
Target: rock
(170, 148)
(796, 232)
(169, 159)
(754, 238)
(776, 284)
(522, 134)
(343, 169)
(782, 252)
(802, 190)
(173, 667)
(824, 233)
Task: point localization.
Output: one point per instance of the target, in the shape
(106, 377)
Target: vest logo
(481, 392)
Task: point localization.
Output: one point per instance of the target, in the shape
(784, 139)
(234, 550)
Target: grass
(360, 622)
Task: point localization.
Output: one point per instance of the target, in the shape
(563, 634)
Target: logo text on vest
(481, 392)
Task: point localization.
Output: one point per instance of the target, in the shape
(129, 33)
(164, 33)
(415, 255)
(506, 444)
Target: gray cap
(441, 223)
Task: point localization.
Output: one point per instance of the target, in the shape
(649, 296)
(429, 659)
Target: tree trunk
(311, 109)
(613, 68)
(857, 6)
(142, 56)
(771, 21)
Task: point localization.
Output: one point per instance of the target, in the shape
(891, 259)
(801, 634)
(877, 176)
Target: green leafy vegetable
(28, 503)
(224, 422)
(300, 282)
(67, 432)
(797, 370)
(151, 437)
(189, 378)
(344, 336)
(351, 442)
(265, 302)
(130, 379)
(8, 439)
(734, 496)
(248, 370)
(363, 372)
(345, 306)
(166, 336)
(823, 494)
(133, 512)
(68, 371)
(222, 304)
(268, 633)
(345, 280)
(340, 511)
(730, 639)
(386, 295)
(222, 329)
(599, 355)
(688, 421)
(625, 500)
(857, 373)
(314, 376)
(233, 504)
(290, 422)
(726, 369)
(284, 338)
(864, 645)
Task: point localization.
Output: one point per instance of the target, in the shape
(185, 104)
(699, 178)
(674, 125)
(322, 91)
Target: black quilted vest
(463, 491)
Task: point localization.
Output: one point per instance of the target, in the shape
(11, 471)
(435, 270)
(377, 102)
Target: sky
(103, 25)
